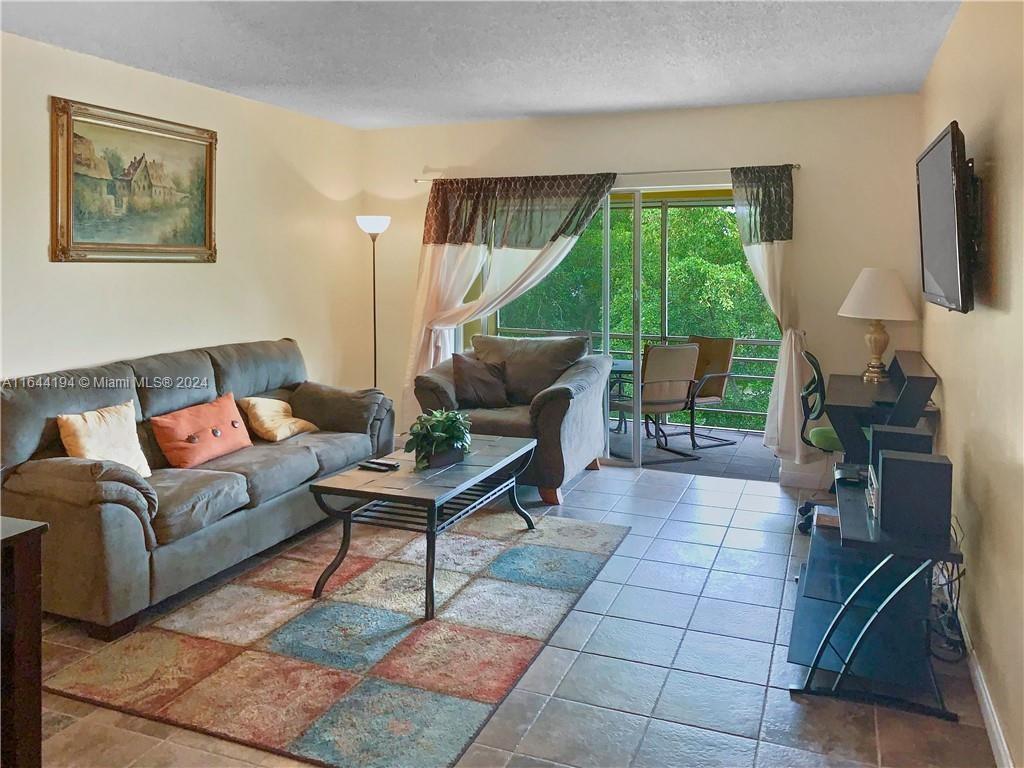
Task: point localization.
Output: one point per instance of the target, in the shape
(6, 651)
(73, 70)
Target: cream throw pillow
(106, 434)
(272, 419)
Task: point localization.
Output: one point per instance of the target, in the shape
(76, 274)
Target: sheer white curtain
(764, 214)
(511, 232)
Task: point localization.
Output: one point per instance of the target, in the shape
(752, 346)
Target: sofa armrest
(435, 389)
(586, 375)
(87, 483)
(339, 409)
(96, 554)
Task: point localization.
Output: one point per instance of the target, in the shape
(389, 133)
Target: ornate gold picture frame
(125, 187)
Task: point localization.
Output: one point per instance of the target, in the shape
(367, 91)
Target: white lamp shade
(373, 225)
(878, 294)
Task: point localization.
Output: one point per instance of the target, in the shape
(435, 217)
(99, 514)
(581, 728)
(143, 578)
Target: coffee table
(429, 501)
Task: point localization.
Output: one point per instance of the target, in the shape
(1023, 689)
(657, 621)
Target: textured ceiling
(379, 64)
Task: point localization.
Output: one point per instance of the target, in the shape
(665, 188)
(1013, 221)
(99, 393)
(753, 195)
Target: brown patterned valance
(764, 202)
(512, 211)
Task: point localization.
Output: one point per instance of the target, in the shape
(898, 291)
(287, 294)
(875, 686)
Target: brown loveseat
(556, 392)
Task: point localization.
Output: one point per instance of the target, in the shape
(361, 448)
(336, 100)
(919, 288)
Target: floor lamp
(374, 226)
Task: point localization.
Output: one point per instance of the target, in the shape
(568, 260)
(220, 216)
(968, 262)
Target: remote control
(373, 467)
(390, 466)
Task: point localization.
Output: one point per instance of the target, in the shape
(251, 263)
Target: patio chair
(667, 378)
(713, 371)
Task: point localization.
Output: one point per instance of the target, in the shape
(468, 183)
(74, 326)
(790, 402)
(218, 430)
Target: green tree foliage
(711, 292)
(114, 161)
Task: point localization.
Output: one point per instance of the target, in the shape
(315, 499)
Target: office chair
(825, 439)
(667, 376)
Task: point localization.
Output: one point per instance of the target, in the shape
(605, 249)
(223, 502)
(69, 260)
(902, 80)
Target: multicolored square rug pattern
(356, 678)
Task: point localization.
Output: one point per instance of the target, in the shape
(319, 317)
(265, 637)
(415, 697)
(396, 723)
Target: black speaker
(886, 438)
(915, 495)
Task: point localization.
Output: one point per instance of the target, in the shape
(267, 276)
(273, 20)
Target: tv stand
(861, 621)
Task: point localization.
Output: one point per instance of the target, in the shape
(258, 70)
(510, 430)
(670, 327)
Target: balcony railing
(746, 359)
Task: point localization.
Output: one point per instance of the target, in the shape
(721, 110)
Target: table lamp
(877, 295)
(373, 226)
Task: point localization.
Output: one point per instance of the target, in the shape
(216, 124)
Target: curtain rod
(641, 173)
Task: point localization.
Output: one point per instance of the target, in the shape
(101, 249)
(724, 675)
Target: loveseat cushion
(270, 469)
(191, 499)
(335, 450)
(507, 422)
(530, 364)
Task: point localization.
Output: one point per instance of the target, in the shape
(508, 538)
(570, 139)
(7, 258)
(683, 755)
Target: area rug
(356, 679)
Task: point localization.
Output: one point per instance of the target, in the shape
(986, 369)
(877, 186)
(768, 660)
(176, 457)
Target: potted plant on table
(439, 438)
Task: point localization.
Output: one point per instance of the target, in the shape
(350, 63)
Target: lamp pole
(373, 294)
(373, 226)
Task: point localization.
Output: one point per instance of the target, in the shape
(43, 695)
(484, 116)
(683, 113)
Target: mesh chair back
(812, 396)
(715, 357)
(667, 375)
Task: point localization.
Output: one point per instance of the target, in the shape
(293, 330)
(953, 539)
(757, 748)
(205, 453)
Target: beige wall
(291, 261)
(976, 79)
(855, 200)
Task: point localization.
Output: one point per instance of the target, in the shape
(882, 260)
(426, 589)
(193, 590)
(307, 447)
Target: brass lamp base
(877, 340)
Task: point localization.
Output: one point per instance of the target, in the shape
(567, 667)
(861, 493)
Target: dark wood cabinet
(21, 643)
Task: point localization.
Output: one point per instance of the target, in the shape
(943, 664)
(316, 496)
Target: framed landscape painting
(129, 188)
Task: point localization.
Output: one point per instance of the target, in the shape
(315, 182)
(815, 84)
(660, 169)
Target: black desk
(862, 611)
(852, 403)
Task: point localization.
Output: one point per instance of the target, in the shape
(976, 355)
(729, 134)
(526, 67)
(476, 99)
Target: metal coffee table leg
(346, 539)
(514, 501)
(428, 610)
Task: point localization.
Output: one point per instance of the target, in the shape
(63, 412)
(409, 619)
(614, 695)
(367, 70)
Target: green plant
(437, 432)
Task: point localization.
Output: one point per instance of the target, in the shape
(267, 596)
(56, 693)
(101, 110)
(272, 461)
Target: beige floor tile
(725, 484)
(960, 697)
(90, 745)
(547, 670)
(703, 497)
(681, 553)
(617, 569)
(763, 521)
(695, 533)
(598, 596)
(772, 505)
(634, 545)
(640, 505)
(577, 734)
(56, 657)
(217, 746)
(669, 577)
(691, 513)
(55, 722)
(479, 756)
(711, 702)
(72, 633)
(167, 754)
(512, 720)
(754, 563)
(635, 641)
(67, 706)
(744, 588)
(835, 728)
(774, 756)
(915, 741)
(745, 660)
(642, 490)
(278, 761)
(653, 605)
(613, 683)
(674, 744)
(130, 723)
(724, 617)
(575, 630)
(758, 541)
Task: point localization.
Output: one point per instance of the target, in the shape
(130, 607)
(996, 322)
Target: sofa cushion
(28, 416)
(507, 422)
(172, 381)
(191, 499)
(270, 469)
(271, 419)
(335, 450)
(479, 384)
(258, 366)
(530, 364)
(106, 434)
(196, 434)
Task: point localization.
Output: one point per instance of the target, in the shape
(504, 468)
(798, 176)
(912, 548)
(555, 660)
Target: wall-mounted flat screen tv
(946, 196)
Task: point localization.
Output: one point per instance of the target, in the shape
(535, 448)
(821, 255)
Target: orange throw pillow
(194, 435)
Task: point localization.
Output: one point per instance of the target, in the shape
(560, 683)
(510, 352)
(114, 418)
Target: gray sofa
(119, 543)
(556, 393)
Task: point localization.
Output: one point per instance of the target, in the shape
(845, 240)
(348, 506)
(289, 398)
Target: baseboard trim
(994, 728)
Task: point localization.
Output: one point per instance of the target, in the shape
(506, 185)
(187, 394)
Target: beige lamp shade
(878, 294)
